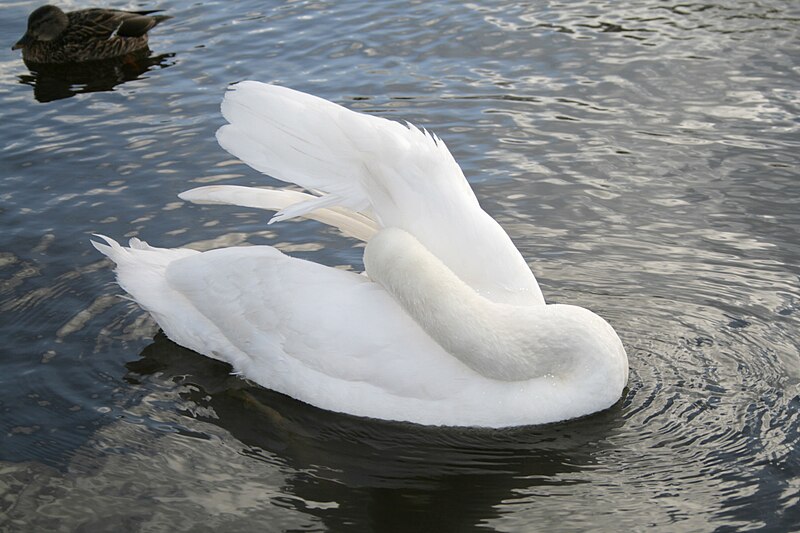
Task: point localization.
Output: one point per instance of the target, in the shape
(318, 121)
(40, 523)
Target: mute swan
(448, 327)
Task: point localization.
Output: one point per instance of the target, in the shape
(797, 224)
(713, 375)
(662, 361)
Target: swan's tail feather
(143, 272)
(139, 253)
(140, 268)
(288, 204)
(110, 249)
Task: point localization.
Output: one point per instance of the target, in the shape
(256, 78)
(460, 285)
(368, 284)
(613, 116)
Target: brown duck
(85, 35)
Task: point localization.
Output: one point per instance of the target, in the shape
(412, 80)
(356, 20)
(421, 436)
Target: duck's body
(54, 36)
(449, 326)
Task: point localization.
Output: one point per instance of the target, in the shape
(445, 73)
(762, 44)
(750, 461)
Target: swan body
(447, 327)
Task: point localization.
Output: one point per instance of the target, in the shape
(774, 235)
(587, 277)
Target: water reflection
(398, 474)
(63, 80)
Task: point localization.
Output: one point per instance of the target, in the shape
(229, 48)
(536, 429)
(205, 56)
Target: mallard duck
(85, 35)
(447, 327)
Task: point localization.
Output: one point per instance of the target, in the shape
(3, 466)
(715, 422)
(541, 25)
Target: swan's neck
(498, 341)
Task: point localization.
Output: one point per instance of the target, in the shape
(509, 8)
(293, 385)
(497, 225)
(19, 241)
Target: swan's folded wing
(295, 326)
(402, 176)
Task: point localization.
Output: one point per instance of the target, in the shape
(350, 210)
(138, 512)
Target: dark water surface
(643, 156)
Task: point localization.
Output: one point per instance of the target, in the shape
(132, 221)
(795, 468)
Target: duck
(54, 36)
(445, 326)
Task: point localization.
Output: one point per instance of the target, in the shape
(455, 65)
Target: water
(644, 159)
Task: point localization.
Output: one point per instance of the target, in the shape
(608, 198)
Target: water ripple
(644, 160)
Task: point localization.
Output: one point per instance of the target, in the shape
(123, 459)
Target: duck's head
(44, 24)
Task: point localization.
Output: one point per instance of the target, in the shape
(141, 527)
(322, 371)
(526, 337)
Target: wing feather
(398, 175)
(349, 222)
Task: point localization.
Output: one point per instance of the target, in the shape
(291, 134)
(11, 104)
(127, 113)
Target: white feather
(350, 223)
(398, 175)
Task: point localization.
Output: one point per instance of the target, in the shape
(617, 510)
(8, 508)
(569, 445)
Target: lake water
(643, 156)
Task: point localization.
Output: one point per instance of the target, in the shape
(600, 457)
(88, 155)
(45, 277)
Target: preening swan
(448, 327)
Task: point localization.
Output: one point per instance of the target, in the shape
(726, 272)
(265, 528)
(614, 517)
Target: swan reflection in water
(373, 470)
(55, 81)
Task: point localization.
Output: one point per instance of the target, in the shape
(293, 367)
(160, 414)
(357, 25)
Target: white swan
(449, 326)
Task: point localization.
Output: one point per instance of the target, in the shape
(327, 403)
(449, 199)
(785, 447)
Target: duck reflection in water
(63, 80)
(86, 50)
(375, 474)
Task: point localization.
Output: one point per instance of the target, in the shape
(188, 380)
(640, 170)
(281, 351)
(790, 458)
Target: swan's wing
(399, 175)
(310, 331)
(347, 221)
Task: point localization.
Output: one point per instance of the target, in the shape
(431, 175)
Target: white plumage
(449, 326)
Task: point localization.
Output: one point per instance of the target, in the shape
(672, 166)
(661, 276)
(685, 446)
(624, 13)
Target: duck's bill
(22, 43)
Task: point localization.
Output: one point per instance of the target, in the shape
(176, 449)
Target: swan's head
(46, 23)
(575, 345)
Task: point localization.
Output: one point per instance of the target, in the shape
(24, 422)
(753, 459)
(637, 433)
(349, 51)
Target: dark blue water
(642, 155)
